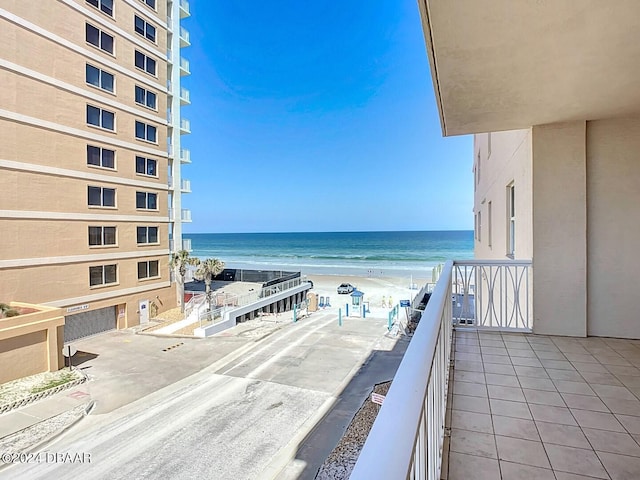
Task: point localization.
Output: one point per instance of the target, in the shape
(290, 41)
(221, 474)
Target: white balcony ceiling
(508, 64)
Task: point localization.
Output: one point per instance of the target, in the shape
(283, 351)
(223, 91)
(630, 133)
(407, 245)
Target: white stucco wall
(613, 241)
(559, 229)
(505, 158)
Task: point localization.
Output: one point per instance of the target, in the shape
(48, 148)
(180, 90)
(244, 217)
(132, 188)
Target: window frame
(147, 236)
(101, 151)
(153, 7)
(103, 275)
(145, 26)
(100, 45)
(146, 165)
(100, 76)
(146, 94)
(147, 128)
(511, 220)
(102, 197)
(101, 112)
(99, 5)
(103, 236)
(146, 59)
(147, 273)
(148, 196)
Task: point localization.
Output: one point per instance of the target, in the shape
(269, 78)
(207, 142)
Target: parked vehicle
(346, 288)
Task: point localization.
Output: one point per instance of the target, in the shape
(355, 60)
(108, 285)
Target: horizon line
(326, 231)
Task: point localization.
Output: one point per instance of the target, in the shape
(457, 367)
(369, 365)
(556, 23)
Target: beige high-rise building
(90, 157)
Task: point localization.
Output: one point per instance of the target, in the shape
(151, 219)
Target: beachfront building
(553, 99)
(90, 159)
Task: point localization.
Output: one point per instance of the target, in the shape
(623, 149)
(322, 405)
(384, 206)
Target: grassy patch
(65, 377)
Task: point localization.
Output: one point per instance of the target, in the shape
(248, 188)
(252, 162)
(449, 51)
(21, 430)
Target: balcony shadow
(379, 367)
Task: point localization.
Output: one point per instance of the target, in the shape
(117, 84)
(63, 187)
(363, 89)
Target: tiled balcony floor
(535, 407)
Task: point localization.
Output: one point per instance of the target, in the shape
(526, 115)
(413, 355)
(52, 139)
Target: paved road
(243, 416)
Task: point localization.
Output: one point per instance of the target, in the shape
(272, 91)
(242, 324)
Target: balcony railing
(170, 183)
(185, 96)
(184, 37)
(169, 149)
(184, 67)
(186, 244)
(184, 9)
(185, 186)
(186, 215)
(410, 427)
(185, 155)
(185, 126)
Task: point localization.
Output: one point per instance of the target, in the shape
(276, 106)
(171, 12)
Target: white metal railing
(169, 149)
(192, 303)
(185, 186)
(185, 95)
(407, 437)
(185, 125)
(171, 215)
(184, 35)
(184, 65)
(170, 182)
(186, 215)
(184, 9)
(185, 155)
(186, 244)
(493, 294)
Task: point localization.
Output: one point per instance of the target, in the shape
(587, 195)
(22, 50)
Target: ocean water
(337, 253)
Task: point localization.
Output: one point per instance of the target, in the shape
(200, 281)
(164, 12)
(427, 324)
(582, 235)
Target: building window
(147, 235)
(103, 275)
(99, 78)
(101, 118)
(145, 63)
(151, 3)
(105, 6)
(146, 97)
(144, 28)
(148, 269)
(101, 157)
(98, 38)
(146, 166)
(146, 132)
(101, 197)
(511, 220)
(146, 201)
(489, 226)
(102, 236)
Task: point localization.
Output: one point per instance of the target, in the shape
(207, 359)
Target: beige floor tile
(494, 350)
(472, 389)
(504, 380)
(469, 357)
(519, 352)
(471, 404)
(510, 409)
(580, 357)
(612, 360)
(613, 391)
(506, 393)
(589, 367)
(567, 386)
(630, 423)
(571, 348)
(475, 422)
(526, 361)
(629, 380)
(467, 348)
(584, 402)
(550, 355)
(468, 366)
(501, 359)
(599, 420)
(558, 364)
(473, 377)
(571, 375)
(492, 342)
(543, 397)
(612, 442)
(476, 443)
(600, 378)
(464, 467)
(515, 471)
(515, 338)
(526, 452)
(570, 476)
(515, 427)
(537, 383)
(626, 407)
(546, 413)
(567, 435)
(621, 467)
(536, 372)
(499, 369)
(575, 460)
(618, 370)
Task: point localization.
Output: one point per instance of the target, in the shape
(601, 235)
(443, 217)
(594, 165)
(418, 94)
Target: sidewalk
(15, 422)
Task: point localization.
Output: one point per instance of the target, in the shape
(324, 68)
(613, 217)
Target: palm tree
(207, 269)
(179, 262)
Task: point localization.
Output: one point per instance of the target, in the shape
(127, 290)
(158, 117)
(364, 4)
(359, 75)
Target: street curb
(8, 407)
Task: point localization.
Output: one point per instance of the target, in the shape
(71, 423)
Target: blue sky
(317, 116)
